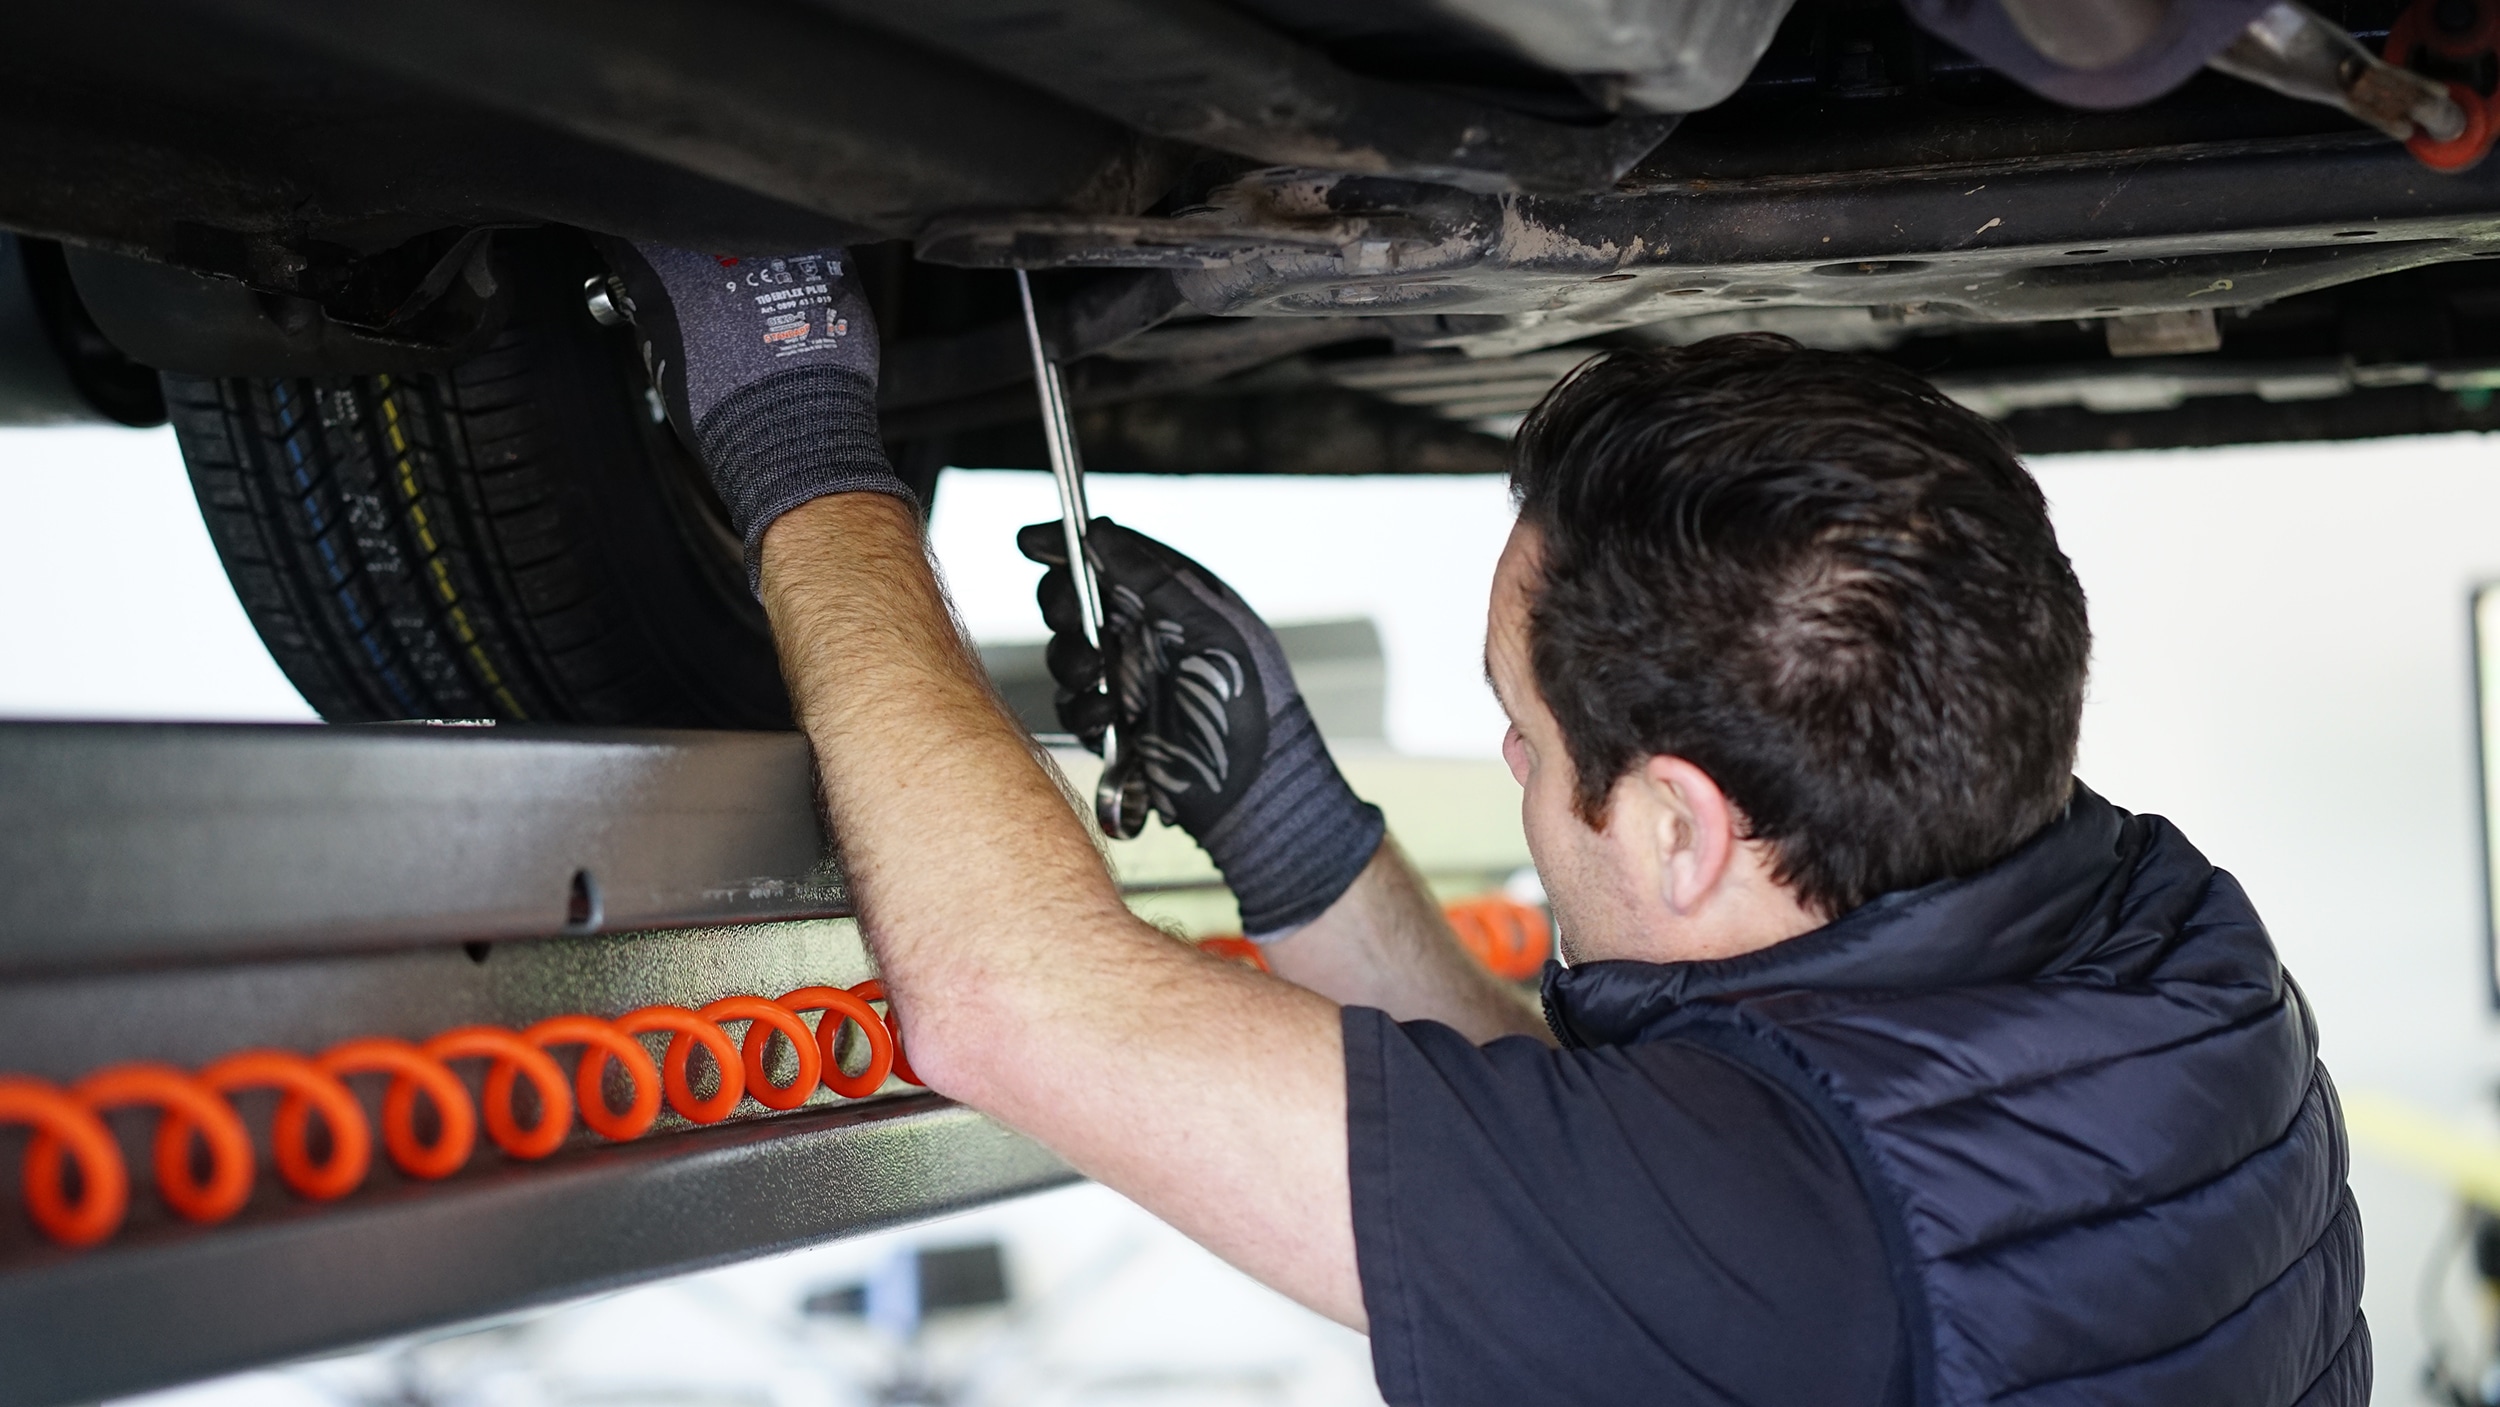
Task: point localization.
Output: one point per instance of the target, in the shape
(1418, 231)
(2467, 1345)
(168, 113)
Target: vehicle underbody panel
(1230, 203)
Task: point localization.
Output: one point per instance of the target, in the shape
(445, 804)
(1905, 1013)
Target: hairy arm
(1211, 1095)
(1385, 944)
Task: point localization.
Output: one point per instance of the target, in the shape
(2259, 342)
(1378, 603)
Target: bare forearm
(1385, 944)
(1211, 1095)
(903, 728)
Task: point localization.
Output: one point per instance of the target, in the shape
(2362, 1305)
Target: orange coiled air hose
(196, 1115)
(1511, 939)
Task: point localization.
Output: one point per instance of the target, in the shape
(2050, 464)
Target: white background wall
(2282, 667)
(115, 606)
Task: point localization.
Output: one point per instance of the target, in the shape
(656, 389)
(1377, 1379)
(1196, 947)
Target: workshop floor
(2283, 667)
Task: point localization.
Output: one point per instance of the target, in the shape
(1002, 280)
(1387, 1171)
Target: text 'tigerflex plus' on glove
(769, 366)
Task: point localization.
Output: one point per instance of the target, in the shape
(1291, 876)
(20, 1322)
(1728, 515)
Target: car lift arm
(178, 893)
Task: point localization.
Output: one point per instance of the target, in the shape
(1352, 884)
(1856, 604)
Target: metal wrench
(1120, 800)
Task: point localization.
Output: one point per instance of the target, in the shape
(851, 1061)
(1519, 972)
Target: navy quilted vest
(2085, 1101)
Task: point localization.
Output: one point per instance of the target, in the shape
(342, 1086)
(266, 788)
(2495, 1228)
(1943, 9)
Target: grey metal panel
(1662, 55)
(874, 134)
(60, 1025)
(1197, 71)
(165, 1302)
(181, 1304)
(150, 842)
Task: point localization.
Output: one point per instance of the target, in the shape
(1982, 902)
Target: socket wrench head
(1120, 800)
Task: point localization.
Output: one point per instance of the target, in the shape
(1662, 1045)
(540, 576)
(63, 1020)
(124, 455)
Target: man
(1894, 1066)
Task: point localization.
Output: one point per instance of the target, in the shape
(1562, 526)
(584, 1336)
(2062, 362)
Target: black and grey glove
(1206, 699)
(768, 367)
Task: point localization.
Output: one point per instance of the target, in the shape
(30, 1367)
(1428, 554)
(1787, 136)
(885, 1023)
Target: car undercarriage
(1272, 236)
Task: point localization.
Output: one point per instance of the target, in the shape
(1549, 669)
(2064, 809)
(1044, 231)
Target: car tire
(516, 538)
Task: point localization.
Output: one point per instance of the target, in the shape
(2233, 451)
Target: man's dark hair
(1814, 577)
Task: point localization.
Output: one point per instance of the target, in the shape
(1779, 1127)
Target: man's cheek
(1576, 898)
(1537, 817)
(1560, 864)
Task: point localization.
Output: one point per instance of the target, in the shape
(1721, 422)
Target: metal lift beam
(177, 893)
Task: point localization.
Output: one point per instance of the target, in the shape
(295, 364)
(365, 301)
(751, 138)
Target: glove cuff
(791, 438)
(1299, 838)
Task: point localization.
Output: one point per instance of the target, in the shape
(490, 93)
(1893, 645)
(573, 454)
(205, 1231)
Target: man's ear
(1696, 831)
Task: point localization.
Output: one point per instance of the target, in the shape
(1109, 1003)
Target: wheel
(517, 538)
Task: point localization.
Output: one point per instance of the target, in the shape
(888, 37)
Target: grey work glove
(1205, 697)
(768, 367)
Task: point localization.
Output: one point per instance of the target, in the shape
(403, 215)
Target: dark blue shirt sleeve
(1635, 1224)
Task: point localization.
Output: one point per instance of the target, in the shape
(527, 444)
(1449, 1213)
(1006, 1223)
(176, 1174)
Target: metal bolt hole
(582, 909)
